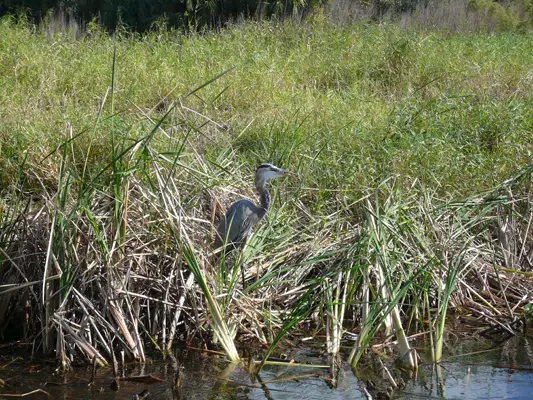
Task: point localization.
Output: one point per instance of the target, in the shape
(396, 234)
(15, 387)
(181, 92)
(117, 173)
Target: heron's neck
(265, 199)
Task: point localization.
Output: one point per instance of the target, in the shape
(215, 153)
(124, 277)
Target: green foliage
(364, 102)
(504, 17)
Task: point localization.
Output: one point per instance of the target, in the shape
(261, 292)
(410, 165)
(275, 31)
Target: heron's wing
(237, 224)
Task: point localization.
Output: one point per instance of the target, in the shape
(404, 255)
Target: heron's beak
(288, 173)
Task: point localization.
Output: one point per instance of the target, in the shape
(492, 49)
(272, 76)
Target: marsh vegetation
(118, 155)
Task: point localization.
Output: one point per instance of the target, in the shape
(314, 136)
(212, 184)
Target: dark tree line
(139, 15)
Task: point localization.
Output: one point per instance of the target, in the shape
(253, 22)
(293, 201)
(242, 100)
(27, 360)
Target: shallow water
(478, 370)
(502, 372)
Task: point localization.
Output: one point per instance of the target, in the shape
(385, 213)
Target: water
(471, 372)
(478, 370)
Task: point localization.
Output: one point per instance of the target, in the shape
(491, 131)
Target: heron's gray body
(236, 226)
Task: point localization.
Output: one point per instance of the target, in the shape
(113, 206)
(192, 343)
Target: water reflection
(478, 370)
(474, 370)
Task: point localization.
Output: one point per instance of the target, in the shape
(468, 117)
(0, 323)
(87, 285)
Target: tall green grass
(360, 102)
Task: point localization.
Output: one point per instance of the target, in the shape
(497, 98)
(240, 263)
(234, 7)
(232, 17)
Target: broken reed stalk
(33, 392)
(383, 243)
(218, 322)
(335, 308)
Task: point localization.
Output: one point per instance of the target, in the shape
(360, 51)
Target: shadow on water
(472, 370)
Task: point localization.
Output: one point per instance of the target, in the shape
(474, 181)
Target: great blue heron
(236, 226)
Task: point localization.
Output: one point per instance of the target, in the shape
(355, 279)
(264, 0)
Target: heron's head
(265, 172)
